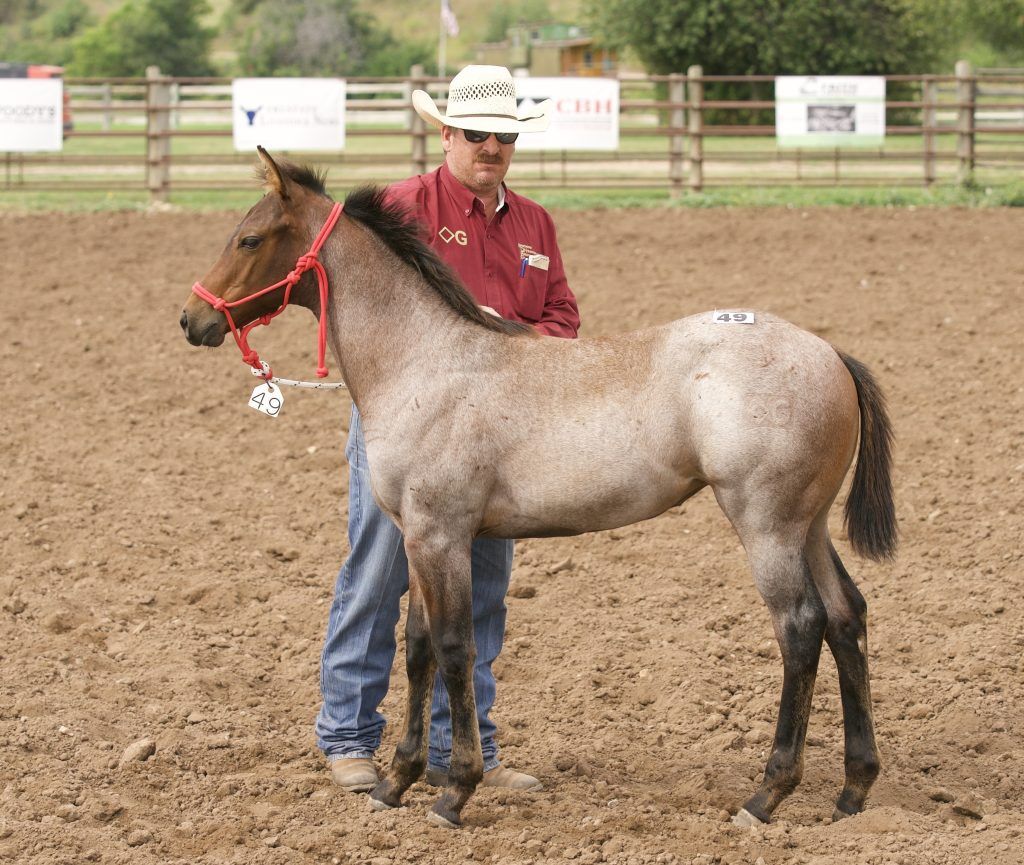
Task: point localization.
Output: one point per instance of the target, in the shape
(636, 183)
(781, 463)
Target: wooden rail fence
(163, 135)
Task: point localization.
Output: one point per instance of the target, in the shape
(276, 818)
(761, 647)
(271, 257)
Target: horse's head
(262, 251)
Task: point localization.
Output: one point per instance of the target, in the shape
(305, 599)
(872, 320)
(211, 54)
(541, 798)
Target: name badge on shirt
(537, 260)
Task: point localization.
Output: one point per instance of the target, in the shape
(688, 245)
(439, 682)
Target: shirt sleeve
(561, 316)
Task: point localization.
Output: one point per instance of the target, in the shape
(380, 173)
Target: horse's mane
(315, 180)
(400, 233)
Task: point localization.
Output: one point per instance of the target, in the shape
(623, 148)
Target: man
(503, 247)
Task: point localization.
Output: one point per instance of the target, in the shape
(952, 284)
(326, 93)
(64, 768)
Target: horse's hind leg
(846, 636)
(442, 567)
(411, 754)
(798, 616)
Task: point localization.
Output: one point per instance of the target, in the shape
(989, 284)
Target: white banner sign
(584, 113)
(829, 111)
(289, 113)
(31, 114)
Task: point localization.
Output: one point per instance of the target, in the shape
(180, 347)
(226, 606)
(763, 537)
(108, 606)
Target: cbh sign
(585, 113)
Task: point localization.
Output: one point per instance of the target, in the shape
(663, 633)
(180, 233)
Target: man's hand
(488, 309)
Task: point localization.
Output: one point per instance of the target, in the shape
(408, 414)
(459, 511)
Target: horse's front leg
(441, 566)
(411, 753)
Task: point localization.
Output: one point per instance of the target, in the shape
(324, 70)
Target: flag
(448, 19)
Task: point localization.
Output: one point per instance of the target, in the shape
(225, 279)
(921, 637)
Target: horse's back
(650, 416)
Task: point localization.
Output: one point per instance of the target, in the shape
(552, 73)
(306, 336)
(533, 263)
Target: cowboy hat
(483, 98)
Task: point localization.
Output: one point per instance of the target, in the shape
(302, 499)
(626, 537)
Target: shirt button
(468, 212)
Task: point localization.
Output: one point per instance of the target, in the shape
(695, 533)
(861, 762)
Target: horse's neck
(391, 332)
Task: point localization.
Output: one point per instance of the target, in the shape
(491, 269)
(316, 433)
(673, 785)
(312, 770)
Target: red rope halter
(309, 261)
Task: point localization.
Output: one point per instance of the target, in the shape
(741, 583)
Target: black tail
(870, 513)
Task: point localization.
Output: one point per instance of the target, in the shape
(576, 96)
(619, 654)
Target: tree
(1000, 23)
(739, 37)
(855, 37)
(319, 37)
(13, 11)
(164, 33)
(44, 36)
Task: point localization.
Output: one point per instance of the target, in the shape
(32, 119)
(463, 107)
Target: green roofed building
(549, 50)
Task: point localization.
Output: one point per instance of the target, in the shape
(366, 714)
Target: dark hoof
(450, 820)
(839, 814)
(384, 796)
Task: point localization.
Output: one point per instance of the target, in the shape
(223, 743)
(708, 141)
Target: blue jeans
(360, 646)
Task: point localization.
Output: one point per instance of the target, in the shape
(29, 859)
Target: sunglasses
(476, 137)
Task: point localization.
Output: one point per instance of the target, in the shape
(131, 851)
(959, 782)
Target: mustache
(489, 160)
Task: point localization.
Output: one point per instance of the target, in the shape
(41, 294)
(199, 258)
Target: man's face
(479, 167)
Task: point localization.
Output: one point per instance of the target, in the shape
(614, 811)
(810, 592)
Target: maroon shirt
(501, 263)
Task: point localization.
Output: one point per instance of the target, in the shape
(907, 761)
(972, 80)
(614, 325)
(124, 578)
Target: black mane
(396, 228)
(305, 175)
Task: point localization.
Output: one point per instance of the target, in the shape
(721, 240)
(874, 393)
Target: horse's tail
(870, 512)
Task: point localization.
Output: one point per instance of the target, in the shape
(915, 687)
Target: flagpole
(442, 42)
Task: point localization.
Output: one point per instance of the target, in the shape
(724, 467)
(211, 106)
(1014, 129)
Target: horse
(477, 425)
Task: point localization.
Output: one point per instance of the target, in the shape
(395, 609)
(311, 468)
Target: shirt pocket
(531, 293)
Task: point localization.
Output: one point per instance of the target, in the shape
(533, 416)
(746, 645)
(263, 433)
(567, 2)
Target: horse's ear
(273, 179)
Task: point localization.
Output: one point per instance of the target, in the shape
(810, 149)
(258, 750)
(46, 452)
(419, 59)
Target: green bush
(318, 37)
(164, 33)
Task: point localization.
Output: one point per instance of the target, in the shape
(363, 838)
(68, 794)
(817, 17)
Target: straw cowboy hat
(483, 98)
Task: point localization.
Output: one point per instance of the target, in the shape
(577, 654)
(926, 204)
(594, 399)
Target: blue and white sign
(289, 113)
(829, 111)
(584, 115)
(31, 115)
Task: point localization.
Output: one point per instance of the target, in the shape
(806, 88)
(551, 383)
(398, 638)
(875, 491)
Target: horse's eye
(250, 242)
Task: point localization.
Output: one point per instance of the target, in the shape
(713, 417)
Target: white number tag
(267, 399)
(732, 317)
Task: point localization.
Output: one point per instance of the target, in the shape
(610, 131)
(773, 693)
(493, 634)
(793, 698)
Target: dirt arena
(169, 556)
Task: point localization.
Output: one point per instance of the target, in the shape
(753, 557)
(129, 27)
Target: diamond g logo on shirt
(447, 235)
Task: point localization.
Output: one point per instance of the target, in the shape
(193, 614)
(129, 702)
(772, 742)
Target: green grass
(787, 196)
(790, 197)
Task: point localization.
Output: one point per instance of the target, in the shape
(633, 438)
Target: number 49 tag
(267, 399)
(732, 317)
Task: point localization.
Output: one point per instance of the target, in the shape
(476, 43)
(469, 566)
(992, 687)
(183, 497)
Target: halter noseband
(309, 261)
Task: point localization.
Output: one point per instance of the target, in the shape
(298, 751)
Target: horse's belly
(590, 499)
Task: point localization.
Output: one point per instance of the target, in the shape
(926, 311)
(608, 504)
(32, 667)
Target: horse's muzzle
(210, 333)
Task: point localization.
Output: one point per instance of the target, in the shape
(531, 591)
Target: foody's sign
(289, 113)
(31, 114)
(829, 111)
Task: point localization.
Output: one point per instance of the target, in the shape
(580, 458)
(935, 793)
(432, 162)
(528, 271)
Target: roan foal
(477, 426)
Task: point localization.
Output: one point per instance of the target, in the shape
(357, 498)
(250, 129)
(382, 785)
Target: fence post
(930, 96)
(695, 126)
(107, 96)
(418, 129)
(965, 95)
(175, 101)
(158, 144)
(677, 117)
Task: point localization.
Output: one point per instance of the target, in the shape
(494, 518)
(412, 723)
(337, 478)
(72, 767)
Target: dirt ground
(169, 556)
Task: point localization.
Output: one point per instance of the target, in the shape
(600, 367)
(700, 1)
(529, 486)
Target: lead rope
(265, 374)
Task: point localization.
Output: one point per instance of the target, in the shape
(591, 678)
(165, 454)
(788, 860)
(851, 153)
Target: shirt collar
(463, 197)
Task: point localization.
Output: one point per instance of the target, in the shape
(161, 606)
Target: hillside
(412, 20)
(408, 20)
